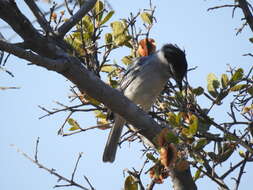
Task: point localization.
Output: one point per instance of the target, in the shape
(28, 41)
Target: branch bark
(39, 15)
(244, 5)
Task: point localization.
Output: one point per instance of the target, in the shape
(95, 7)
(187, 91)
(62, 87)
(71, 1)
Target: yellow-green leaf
(242, 153)
(113, 83)
(108, 40)
(224, 80)
(198, 91)
(100, 114)
(238, 75)
(197, 174)
(193, 127)
(119, 32)
(99, 10)
(147, 18)
(74, 125)
(250, 91)
(127, 60)
(87, 23)
(172, 118)
(238, 87)
(150, 156)
(172, 138)
(212, 84)
(108, 68)
(91, 100)
(130, 183)
(200, 144)
(107, 17)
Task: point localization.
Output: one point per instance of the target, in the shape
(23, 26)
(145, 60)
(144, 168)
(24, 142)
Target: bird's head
(176, 61)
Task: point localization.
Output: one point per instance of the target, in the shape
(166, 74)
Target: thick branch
(85, 8)
(55, 65)
(39, 15)
(247, 13)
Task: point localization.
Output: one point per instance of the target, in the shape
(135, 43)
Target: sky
(210, 42)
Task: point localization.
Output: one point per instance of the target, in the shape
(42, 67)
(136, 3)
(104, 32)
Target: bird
(142, 83)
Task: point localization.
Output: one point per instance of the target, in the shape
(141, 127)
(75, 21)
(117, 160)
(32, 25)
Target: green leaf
(108, 68)
(99, 7)
(119, 33)
(238, 87)
(212, 84)
(113, 83)
(250, 91)
(193, 127)
(74, 125)
(100, 114)
(107, 17)
(150, 156)
(224, 80)
(127, 60)
(238, 75)
(198, 91)
(130, 183)
(200, 144)
(108, 40)
(197, 174)
(88, 25)
(172, 118)
(147, 18)
(242, 153)
(172, 138)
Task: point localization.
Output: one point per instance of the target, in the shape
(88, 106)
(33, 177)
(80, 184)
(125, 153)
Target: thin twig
(51, 171)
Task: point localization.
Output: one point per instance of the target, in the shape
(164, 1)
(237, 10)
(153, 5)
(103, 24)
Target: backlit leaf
(238, 75)
(99, 6)
(193, 127)
(130, 184)
(108, 68)
(147, 18)
(198, 91)
(74, 125)
(212, 84)
(238, 87)
(197, 174)
(127, 60)
(224, 80)
(107, 17)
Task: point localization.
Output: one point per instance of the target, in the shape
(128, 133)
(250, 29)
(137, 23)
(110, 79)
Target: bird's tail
(113, 139)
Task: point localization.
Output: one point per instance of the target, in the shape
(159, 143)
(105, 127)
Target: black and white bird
(143, 82)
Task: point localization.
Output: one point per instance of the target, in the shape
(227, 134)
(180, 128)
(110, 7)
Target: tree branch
(244, 5)
(85, 8)
(39, 15)
(51, 64)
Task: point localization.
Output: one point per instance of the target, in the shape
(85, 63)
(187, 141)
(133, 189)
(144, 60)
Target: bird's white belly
(144, 92)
